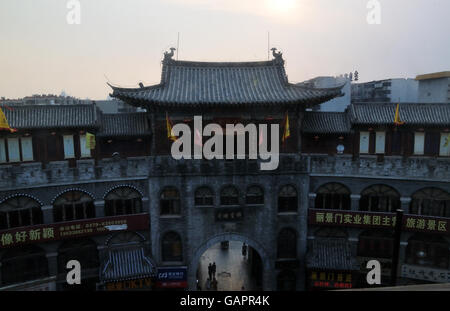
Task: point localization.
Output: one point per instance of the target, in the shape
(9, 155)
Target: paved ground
(232, 268)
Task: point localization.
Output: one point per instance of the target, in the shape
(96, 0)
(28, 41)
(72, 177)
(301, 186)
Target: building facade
(128, 203)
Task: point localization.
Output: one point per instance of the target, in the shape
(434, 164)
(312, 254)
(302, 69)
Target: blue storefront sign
(172, 277)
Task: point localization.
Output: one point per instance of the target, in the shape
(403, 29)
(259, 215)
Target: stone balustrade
(35, 174)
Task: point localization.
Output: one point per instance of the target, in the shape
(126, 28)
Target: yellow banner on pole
(4, 125)
(90, 141)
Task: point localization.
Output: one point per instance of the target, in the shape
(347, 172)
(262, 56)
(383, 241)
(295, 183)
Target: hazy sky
(123, 40)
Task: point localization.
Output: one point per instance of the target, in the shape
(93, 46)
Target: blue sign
(172, 274)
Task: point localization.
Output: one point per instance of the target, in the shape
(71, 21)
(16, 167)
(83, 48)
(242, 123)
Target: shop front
(127, 269)
(331, 264)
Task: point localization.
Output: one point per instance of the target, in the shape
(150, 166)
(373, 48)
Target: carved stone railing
(34, 174)
(429, 168)
(166, 165)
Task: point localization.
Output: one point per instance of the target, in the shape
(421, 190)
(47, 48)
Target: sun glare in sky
(281, 5)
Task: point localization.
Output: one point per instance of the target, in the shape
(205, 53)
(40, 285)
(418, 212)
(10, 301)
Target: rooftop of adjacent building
(435, 75)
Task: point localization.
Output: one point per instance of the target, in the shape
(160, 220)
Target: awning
(331, 254)
(127, 264)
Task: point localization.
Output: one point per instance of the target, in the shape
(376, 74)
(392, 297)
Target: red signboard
(72, 229)
(377, 220)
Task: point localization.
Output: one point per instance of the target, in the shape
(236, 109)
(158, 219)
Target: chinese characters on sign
(331, 279)
(426, 274)
(229, 214)
(42, 233)
(379, 220)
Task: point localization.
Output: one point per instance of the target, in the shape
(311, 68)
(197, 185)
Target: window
(204, 197)
(333, 196)
(27, 148)
(364, 142)
(85, 251)
(19, 149)
(171, 247)
(23, 264)
(287, 243)
(419, 139)
(2, 151)
(13, 150)
(69, 151)
(380, 138)
(170, 202)
(431, 202)
(444, 150)
(376, 244)
(229, 196)
(379, 198)
(20, 211)
(287, 199)
(255, 195)
(85, 152)
(73, 205)
(123, 201)
(427, 250)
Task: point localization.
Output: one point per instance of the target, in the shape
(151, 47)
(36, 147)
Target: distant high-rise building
(385, 91)
(338, 104)
(434, 87)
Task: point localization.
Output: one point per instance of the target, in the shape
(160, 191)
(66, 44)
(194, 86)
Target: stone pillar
(153, 138)
(302, 226)
(47, 213)
(52, 260)
(99, 208)
(405, 202)
(269, 280)
(145, 205)
(312, 200)
(355, 201)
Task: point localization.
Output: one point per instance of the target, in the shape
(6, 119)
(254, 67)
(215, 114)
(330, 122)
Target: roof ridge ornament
(278, 56)
(168, 55)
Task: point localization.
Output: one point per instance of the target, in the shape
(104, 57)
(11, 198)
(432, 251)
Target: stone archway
(230, 236)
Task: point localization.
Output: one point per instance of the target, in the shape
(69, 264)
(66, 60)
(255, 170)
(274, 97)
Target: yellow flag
(4, 125)
(90, 141)
(397, 120)
(286, 132)
(447, 140)
(169, 129)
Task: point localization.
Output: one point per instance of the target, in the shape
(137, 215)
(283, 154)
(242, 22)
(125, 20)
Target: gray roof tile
(124, 124)
(51, 116)
(331, 254)
(326, 123)
(127, 264)
(185, 82)
(412, 114)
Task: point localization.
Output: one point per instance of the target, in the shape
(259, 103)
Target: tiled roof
(124, 124)
(413, 114)
(326, 122)
(51, 116)
(210, 83)
(127, 264)
(331, 254)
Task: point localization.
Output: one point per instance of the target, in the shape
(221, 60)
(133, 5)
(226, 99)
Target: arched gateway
(230, 236)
